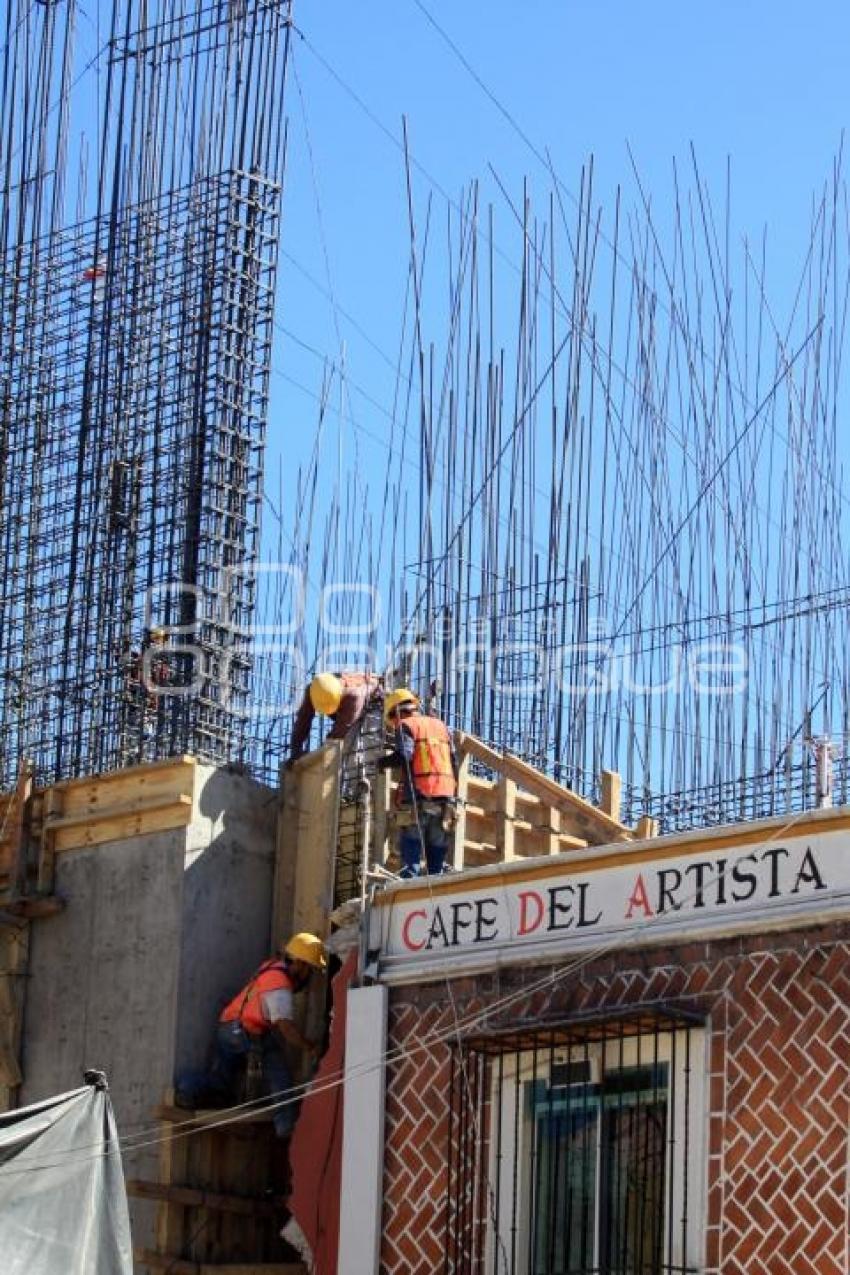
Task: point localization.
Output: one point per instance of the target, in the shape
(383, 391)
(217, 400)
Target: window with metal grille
(578, 1149)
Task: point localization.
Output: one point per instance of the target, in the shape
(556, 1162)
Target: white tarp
(63, 1206)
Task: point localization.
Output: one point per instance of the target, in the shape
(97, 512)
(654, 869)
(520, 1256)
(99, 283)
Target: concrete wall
(104, 973)
(227, 901)
(102, 988)
(157, 932)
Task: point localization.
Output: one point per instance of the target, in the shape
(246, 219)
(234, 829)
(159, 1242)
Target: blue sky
(759, 85)
(757, 89)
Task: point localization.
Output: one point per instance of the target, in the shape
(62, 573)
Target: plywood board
(580, 817)
(177, 1266)
(14, 953)
(307, 841)
(115, 824)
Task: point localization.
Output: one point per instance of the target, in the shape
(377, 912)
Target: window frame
(685, 1053)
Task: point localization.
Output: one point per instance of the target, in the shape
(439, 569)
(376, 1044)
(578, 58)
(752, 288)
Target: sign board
(524, 910)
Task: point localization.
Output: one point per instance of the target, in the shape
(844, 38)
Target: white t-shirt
(277, 1005)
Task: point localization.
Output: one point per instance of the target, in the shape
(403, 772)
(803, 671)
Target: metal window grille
(576, 1149)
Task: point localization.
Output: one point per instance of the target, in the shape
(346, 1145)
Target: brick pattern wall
(778, 1011)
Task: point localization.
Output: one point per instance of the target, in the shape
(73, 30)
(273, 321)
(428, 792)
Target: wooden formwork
(519, 813)
(220, 1203)
(116, 806)
(515, 812)
(36, 824)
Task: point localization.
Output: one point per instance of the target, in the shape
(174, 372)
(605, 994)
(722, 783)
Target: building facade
(632, 1059)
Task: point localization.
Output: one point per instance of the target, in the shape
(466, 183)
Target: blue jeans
(221, 1084)
(433, 837)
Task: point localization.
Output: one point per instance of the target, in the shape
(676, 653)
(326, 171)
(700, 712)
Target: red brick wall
(779, 1020)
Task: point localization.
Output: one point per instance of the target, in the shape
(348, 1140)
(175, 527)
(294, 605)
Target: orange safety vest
(246, 1005)
(431, 767)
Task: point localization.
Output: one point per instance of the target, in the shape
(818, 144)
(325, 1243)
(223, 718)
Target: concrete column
(363, 1132)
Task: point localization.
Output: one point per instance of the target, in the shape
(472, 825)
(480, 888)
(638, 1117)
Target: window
(579, 1151)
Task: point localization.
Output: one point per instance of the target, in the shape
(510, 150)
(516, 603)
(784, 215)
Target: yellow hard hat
(157, 634)
(325, 693)
(307, 948)
(396, 698)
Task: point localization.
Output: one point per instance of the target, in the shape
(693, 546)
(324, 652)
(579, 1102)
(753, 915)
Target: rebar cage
(135, 346)
(578, 1148)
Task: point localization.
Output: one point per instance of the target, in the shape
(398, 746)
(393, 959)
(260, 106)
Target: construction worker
(256, 1027)
(344, 697)
(145, 673)
(425, 797)
(155, 669)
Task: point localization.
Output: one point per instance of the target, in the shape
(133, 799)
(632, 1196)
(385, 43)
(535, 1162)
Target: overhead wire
(623, 941)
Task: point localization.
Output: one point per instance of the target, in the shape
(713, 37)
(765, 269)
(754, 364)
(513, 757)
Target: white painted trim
(511, 920)
(688, 1081)
(363, 1131)
(397, 971)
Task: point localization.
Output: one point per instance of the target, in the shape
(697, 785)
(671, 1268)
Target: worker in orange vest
(425, 753)
(344, 697)
(258, 1024)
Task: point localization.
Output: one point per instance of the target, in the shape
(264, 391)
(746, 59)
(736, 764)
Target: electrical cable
(634, 937)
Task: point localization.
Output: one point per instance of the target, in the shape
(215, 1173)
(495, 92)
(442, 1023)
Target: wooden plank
(201, 1222)
(610, 793)
(170, 1220)
(10, 815)
(646, 827)
(143, 772)
(458, 848)
(480, 854)
(380, 809)
(482, 792)
(554, 842)
(307, 842)
(252, 1268)
(506, 830)
(34, 907)
(285, 857)
(179, 1115)
(236, 1233)
(566, 841)
(317, 814)
(130, 795)
(179, 1266)
(196, 1197)
(546, 837)
(601, 827)
(17, 830)
(46, 875)
(306, 869)
(163, 1262)
(14, 955)
(75, 832)
(84, 818)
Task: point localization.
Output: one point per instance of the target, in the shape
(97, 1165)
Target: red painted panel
(316, 1151)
